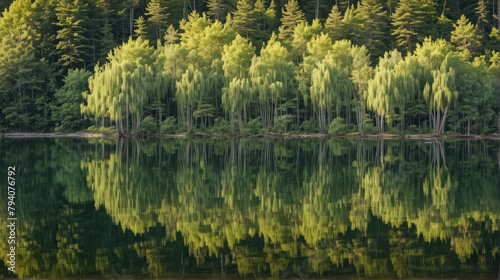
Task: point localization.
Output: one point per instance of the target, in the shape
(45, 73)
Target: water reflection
(291, 208)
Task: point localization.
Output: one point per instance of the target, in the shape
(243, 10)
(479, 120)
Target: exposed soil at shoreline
(268, 135)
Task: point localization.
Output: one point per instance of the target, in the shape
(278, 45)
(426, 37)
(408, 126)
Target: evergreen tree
(45, 16)
(17, 78)
(215, 9)
(171, 35)
(66, 112)
(106, 42)
(271, 19)
(372, 25)
(244, 20)
(334, 25)
(291, 17)
(407, 23)
(482, 14)
(466, 37)
(444, 27)
(157, 16)
(72, 43)
(140, 28)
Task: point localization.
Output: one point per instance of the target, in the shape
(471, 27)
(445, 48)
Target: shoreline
(13, 135)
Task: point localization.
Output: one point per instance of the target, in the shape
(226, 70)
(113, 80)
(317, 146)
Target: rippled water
(254, 208)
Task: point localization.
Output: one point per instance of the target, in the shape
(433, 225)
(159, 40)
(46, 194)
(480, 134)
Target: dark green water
(254, 208)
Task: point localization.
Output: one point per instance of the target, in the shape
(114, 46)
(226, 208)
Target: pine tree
(371, 32)
(171, 35)
(157, 16)
(444, 27)
(292, 15)
(270, 18)
(261, 34)
(244, 20)
(482, 14)
(106, 41)
(140, 28)
(334, 24)
(68, 98)
(215, 9)
(407, 24)
(465, 37)
(18, 77)
(72, 43)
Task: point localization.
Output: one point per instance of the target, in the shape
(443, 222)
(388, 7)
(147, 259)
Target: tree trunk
(316, 12)
(132, 18)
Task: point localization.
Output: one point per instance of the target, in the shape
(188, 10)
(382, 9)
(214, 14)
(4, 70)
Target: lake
(252, 208)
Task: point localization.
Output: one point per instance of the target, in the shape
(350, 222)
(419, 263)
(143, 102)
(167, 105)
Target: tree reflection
(294, 208)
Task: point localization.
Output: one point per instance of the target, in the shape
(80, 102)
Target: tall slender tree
(482, 14)
(244, 20)
(372, 26)
(157, 15)
(407, 24)
(292, 15)
(72, 47)
(466, 37)
(334, 25)
(140, 28)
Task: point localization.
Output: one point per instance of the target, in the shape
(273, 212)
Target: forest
(250, 66)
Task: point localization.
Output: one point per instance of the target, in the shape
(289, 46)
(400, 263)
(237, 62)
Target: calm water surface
(254, 208)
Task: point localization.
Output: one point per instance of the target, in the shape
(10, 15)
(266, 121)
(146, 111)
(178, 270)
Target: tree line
(226, 66)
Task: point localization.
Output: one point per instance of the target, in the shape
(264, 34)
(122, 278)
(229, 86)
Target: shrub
(107, 130)
(369, 126)
(92, 129)
(253, 127)
(413, 129)
(181, 127)
(338, 127)
(221, 126)
(149, 126)
(169, 126)
(281, 123)
(309, 126)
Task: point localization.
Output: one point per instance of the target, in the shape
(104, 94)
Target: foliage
(168, 126)
(308, 127)
(292, 16)
(281, 123)
(254, 126)
(240, 60)
(122, 87)
(157, 16)
(66, 112)
(221, 126)
(338, 127)
(466, 37)
(149, 125)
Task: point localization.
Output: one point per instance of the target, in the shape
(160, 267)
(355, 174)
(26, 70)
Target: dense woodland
(250, 66)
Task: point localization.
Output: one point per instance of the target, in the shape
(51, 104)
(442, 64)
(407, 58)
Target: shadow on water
(289, 208)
